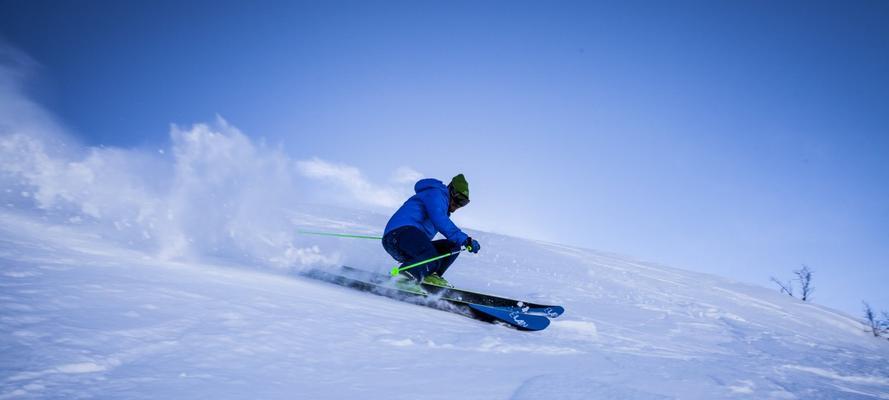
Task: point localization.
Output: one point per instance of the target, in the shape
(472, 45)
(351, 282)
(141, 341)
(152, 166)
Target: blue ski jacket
(428, 211)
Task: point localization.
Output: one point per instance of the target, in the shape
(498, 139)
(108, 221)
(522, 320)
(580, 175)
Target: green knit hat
(460, 185)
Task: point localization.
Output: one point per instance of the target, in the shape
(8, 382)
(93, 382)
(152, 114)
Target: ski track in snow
(84, 317)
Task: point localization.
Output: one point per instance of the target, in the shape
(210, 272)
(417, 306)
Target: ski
(512, 317)
(551, 311)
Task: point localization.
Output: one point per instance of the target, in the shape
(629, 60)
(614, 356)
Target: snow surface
(175, 274)
(85, 316)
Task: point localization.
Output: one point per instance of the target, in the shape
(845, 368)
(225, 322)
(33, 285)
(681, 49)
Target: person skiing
(408, 234)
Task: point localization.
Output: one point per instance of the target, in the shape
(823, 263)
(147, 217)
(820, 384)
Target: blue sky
(738, 138)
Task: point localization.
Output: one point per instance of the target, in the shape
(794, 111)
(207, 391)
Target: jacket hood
(429, 183)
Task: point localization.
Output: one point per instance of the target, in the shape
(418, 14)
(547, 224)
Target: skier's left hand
(472, 245)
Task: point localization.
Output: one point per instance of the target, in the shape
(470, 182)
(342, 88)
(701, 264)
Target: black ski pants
(408, 244)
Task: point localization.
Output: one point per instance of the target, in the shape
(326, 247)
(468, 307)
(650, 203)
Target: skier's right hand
(472, 245)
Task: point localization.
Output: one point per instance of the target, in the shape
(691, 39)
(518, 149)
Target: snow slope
(175, 274)
(85, 315)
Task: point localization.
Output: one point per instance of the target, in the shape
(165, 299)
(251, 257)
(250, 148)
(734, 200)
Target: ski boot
(436, 280)
(406, 282)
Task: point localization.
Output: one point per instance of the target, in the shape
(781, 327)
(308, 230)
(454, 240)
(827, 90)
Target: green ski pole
(343, 235)
(396, 269)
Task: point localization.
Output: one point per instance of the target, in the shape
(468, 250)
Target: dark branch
(784, 288)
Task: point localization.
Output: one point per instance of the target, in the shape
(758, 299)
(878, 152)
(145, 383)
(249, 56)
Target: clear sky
(742, 138)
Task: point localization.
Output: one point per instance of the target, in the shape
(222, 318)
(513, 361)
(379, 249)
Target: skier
(408, 235)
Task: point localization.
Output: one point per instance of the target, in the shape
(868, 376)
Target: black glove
(472, 245)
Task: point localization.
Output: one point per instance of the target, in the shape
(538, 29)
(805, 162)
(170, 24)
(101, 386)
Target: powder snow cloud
(213, 191)
(353, 183)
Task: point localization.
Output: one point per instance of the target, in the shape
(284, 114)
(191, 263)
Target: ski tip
(519, 320)
(554, 311)
(546, 311)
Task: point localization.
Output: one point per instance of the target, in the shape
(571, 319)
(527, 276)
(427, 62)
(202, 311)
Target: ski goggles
(459, 199)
